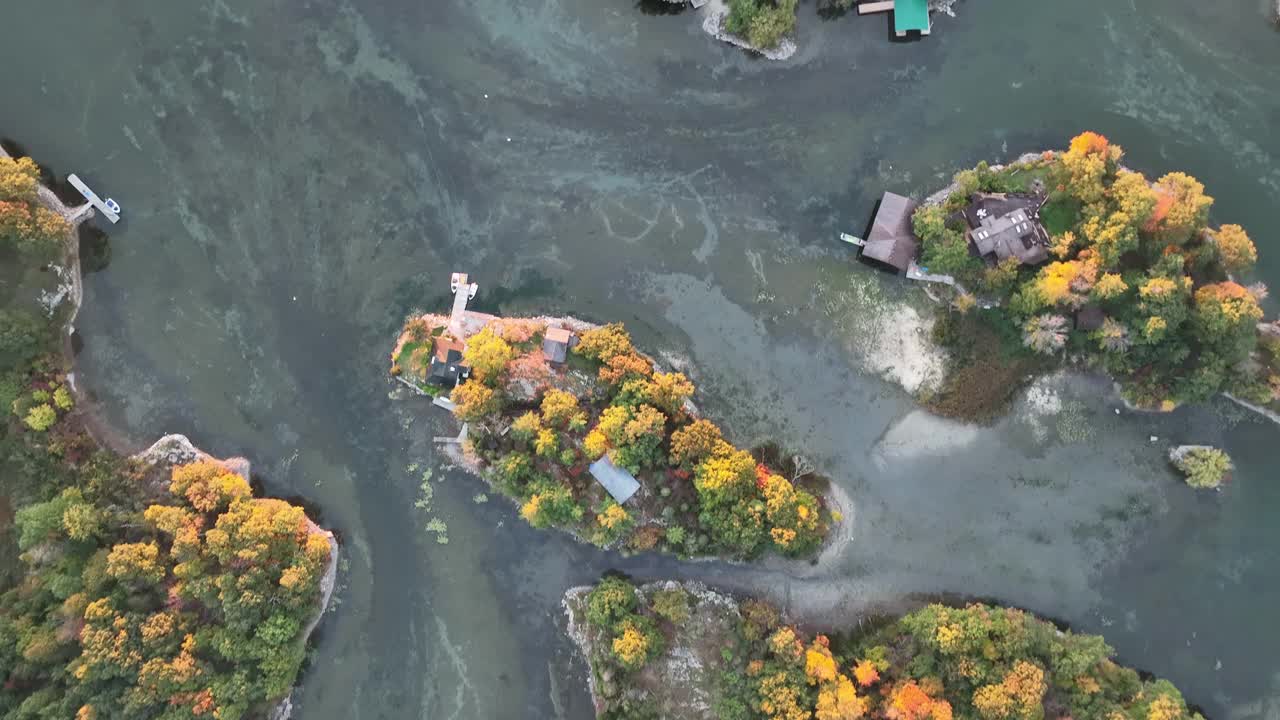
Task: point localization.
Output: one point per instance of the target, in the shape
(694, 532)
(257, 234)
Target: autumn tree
(1111, 235)
(604, 342)
(668, 391)
(637, 435)
(136, 562)
(1084, 166)
(1236, 249)
(559, 408)
(208, 485)
(475, 401)
(1133, 198)
(729, 506)
(1182, 208)
(1225, 317)
(487, 353)
(19, 179)
(623, 367)
(695, 442)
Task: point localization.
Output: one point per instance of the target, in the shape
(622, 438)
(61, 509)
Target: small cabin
(556, 344)
(619, 483)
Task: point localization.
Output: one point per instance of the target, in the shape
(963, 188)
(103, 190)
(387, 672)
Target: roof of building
(911, 15)
(1016, 234)
(891, 240)
(992, 205)
(1090, 317)
(559, 334)
(618, 482)
(446, 362)
(447, 346)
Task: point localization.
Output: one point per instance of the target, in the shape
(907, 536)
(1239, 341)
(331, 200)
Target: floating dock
(109, 211)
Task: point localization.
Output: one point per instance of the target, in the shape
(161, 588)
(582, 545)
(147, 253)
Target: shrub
(41, 417)
(671, 604)
(637, 640)
(1204, 467)
(551, 504)
(609, 601)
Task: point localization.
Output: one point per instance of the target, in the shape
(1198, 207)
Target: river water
(298, 175)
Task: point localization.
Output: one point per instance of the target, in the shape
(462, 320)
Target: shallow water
(297, 176)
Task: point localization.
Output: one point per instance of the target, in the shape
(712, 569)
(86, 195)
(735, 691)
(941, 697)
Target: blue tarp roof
(911, 15)
(618, 482)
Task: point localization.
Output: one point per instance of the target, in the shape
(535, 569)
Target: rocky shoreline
(169, 450)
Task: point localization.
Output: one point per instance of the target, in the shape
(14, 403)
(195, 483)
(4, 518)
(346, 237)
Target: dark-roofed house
(1090, 317)
(892, 241)
(447, 367)
(619, 483)
(556, 344)
(1003, 226)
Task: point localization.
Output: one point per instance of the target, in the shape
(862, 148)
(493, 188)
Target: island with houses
(1073, 256)
(587, 433)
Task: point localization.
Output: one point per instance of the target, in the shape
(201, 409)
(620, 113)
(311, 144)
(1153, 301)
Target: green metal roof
(911, 15)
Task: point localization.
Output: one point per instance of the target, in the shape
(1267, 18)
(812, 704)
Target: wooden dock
(867, 8)
(93, 199)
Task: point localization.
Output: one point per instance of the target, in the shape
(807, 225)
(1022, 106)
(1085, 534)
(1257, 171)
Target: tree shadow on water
(661, 7)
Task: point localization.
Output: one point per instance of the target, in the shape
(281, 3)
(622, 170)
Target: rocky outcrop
(713, 17)
(68, 273)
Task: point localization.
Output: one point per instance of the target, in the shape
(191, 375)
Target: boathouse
(619, 483)
(892, 242)
(908, 15)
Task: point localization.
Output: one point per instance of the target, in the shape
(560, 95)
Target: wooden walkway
(93, 198)
(867, 8)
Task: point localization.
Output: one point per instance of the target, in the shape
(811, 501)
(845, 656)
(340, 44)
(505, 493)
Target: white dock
(94, 200)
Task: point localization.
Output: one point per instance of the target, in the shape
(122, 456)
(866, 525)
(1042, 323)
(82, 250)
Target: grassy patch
(1016, 178)
(1059, 216)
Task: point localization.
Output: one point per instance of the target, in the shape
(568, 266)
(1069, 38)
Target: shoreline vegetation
(145, 585)
(538, 430)
(1131, 280)
(670, 649)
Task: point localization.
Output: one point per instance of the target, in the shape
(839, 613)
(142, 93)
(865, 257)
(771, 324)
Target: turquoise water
(298, 176)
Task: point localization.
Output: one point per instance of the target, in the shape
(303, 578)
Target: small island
(587, 434)
(1203, 466)
(152, 585)
(669, 649)
(1072, 256)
